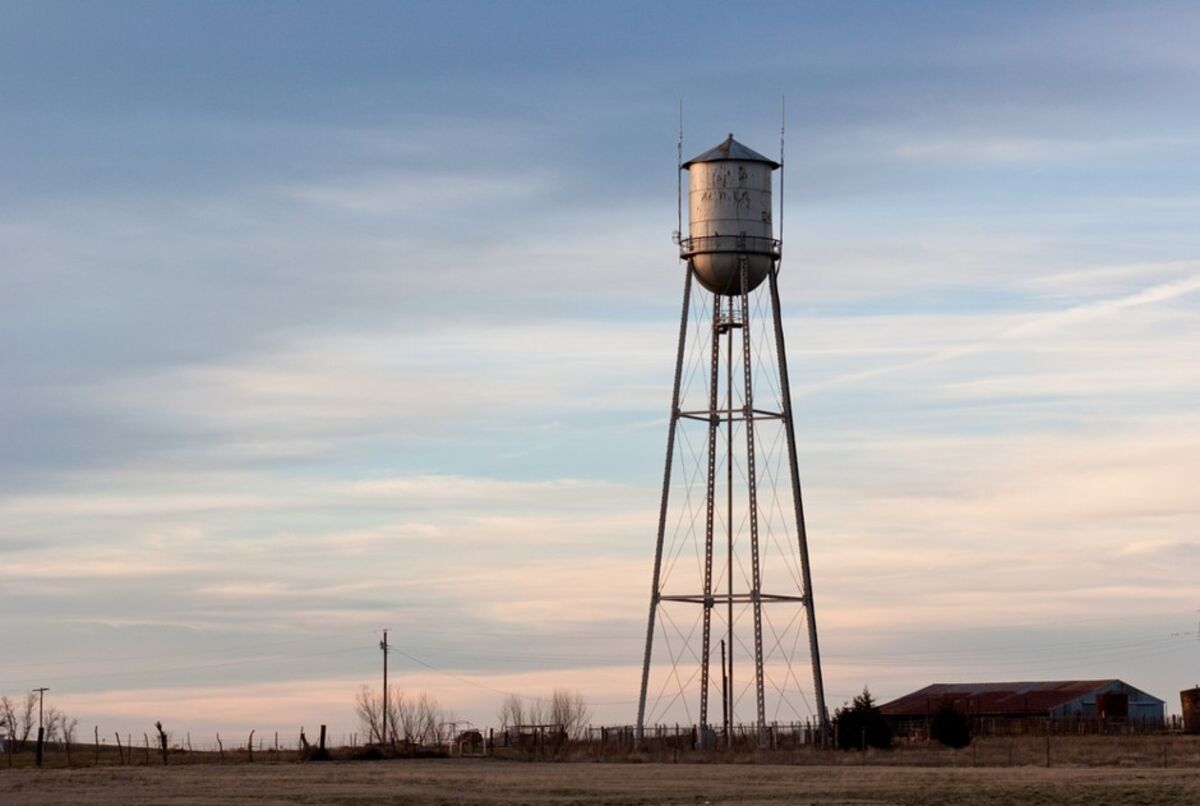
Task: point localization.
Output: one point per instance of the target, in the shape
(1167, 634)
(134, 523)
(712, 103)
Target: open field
(461, 781)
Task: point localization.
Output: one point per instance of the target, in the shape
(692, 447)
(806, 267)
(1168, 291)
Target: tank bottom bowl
(721, 273)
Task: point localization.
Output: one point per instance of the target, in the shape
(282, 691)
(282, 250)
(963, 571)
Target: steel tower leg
(785, 389)
(666, 491)
(729, 500)
(752, 503)
(710, 499)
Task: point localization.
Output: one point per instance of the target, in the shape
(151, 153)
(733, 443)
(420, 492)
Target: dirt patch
(493, 783)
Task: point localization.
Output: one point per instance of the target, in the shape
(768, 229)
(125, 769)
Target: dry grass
(490, 783)
(1133, 750)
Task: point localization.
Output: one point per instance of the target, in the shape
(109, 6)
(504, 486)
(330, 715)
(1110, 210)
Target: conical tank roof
(731, 150)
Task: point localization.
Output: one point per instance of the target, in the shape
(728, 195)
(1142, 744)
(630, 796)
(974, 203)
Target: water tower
(731, 609)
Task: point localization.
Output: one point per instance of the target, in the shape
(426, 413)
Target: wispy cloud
(1028, 330)
(1052, 323)
(1024, 150)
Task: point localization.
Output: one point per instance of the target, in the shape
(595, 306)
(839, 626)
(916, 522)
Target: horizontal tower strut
(738, 415)
(724, 598)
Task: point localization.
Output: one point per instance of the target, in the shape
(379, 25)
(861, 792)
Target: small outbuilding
(1190, 700)
(1088, 700)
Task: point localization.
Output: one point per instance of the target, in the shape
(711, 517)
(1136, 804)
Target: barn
(1085, 700)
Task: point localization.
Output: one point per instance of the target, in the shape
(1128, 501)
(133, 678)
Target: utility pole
(41, 692)
(384, 646)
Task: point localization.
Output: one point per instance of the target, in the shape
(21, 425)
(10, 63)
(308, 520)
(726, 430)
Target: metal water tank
(729, 217)
(1190, 699)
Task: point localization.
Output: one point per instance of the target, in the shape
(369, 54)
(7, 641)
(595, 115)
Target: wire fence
(999, 726)
(995, 741)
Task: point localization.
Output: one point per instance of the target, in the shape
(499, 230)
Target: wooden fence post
(120, 750)
(162, 741)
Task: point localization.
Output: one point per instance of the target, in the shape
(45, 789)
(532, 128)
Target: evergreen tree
(861, 722)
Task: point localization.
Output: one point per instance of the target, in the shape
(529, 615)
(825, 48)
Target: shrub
(370, 752)
(950, 727)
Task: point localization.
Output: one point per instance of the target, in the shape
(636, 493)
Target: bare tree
(66, 727)
(8, 718)
(569, 710)
(407, 723)
(439, 722)
(417, 719)
(517, 710)
(50, 722)
(429, 719)
(512, 712)
(26, 717)
(563, 707)
(368, 707)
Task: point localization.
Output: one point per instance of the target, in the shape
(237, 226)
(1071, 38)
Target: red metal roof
(993, 698)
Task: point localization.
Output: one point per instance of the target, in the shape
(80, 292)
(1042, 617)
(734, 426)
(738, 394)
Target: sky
(319, 319)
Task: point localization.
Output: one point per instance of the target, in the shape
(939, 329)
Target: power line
(157, 656)
(486, 687)
(214, 665)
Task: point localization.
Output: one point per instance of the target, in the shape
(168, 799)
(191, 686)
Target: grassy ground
(1062, 751)
(465, 781)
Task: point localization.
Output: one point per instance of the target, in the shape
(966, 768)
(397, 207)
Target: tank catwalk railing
(732, 244)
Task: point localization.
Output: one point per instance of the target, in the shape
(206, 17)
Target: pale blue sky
(321, 318)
